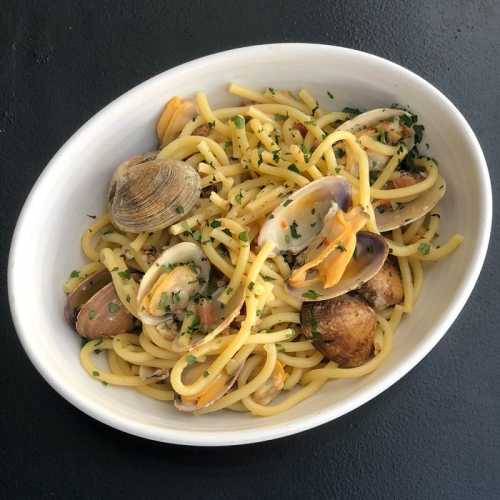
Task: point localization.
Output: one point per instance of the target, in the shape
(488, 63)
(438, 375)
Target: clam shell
(307, 207)
(371, 118)
(103, 315)
(153, 195)
(124, 167)
(182, 252)
(371, 252)
(409, 212)
(191, 374)
(83, 292)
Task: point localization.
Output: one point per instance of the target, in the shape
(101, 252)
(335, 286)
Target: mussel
(94, 310)
(152, 195)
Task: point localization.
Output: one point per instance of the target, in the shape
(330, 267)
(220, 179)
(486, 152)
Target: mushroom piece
(385, 288)
(342, 329)
(153, 195)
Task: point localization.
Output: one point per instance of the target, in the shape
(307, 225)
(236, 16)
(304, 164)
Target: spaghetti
(250, 160)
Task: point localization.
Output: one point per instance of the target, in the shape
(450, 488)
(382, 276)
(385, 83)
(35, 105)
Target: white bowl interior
(46, 246)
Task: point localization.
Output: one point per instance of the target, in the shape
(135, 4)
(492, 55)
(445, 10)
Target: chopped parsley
(276, 155)
(243, 236)
(206, 374)
(268, 278)
(340, 247)
(113, 307)
(239, 121)
(251, 285)
(287, 202)
(424, 248)
(191, 360)
(211, 125)
(339, 153)
(124, 274)
(92, 314)
(293, 168)
(351, 111)
(279, 117)
(311, 294)
(272, 90)
(164, 300)
(226, 231)
(215, 223)
(95, 373)
(238, 197)
(330, 95)
(306, 151)
(419, 133)
(74, 274)
(293, 230)
(127, 298)
(176, 297)
(408, 119)
(228, 290)
(179, 209)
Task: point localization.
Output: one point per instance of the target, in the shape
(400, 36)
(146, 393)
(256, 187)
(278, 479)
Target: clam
(210, 394)
(152, 195)
(124, 167)
(369, 256)
(94, 309)
(334, 255)
(176, 113)
(179, 273)
(387, 122)
(309, 205)
(406, 213)
(175, 285)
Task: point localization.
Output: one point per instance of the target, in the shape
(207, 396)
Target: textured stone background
(435, 434)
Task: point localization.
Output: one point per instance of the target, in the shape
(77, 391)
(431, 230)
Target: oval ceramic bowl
(46, 242)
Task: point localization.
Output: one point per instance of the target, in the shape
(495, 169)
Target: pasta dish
(261, 251)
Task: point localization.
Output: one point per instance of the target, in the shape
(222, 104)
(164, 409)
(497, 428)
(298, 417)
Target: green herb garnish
(293, 230)
(113, 307)
(243, 236)
(179, 209)
(424, 248)
(74, 274)
(239, 121)
(124, 274)
(311, 294)
(191, 360)
(294, 168)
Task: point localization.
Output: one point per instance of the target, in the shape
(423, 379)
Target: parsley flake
(74, 274)
(311, 294)
(239, 121)
(424, 248)
(191, 360)
(113, 307)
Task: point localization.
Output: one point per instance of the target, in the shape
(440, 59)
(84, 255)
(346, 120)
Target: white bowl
(46, 242)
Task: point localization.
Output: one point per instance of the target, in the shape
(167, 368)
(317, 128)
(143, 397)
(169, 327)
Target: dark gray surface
(435, 434)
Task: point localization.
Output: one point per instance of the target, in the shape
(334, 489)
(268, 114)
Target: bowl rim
(258, 434)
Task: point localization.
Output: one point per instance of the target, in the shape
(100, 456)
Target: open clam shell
(182, 253)
(369, 257)
(214, 391)
(153, 195)
(407, 213)
(83, 292)
(371, 119)
(299, 219)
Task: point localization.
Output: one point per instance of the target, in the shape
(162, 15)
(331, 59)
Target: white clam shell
(181, 253)
(317, 197)
(152, 195)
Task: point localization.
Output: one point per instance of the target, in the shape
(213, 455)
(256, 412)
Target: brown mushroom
(342, 328)
(385, 288)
